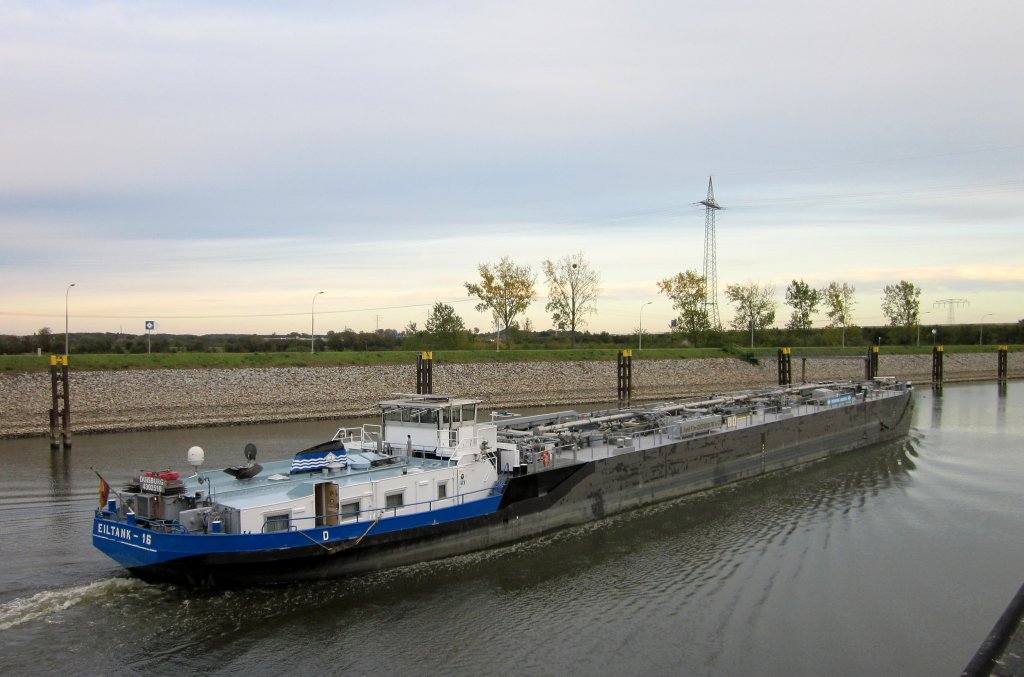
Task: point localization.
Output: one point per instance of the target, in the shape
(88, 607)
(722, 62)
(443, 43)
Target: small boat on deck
(431, 480)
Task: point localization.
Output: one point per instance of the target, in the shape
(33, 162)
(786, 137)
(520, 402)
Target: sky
(212, 166)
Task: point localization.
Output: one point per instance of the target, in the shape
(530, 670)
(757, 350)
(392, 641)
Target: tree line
(550, 339)
(506, 290)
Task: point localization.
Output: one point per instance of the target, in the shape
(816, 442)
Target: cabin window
(456, 414)
(442, 490)
(468, 412)
(395, 500)
(412, 415)
(349, 509)
(277, 522)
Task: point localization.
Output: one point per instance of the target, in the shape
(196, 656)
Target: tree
(505, 289)
(688, 292)
(901, 303)
(445, 329)
(804, 299)
(755, 306)
(442, 319)
(43, 339)
(573, 287)
(839, 304)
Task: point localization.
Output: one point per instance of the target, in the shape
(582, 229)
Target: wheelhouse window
(395, 500)
(281, 521)
(421, 415)
(442, 490)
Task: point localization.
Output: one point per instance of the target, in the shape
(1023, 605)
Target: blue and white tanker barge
(431, 480)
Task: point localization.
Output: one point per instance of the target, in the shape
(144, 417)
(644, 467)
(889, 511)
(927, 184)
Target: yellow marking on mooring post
(627, 353)
(427, 356)
(58, 360)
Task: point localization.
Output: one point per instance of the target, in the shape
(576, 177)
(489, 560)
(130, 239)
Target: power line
(1012, 185)
(950, 305)
(866, 163)
(710, 257)
(236, 316)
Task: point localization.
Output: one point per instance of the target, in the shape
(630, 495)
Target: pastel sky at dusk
(212, 166)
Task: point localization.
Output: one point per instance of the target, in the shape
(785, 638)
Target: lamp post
(981, 330)
(934, 333)
(919, 328)
(640, 337)
(312, 323)
(67, 343)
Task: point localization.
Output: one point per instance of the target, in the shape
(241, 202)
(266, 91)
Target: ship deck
(275, 483)
(625, 441)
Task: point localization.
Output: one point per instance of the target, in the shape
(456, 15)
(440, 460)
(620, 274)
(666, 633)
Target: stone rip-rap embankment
(166, 398)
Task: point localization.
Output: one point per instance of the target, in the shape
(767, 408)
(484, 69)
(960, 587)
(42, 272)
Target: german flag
(104, 488)
(104, 492)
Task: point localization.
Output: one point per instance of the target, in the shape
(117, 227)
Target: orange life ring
(545, 458)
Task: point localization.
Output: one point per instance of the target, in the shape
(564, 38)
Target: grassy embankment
(31, 363)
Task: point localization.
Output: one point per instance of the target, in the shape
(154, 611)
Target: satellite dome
(196, 456)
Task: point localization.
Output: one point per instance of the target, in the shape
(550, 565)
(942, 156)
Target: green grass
(33, 363)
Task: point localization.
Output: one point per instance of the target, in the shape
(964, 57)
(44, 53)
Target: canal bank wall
(114, 401)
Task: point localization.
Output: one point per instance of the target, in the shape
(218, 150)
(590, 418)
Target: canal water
(895, 560)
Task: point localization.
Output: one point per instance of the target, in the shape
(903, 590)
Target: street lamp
(640, 343)
(934, 333)
(312, 323)
(66, 342)
(981, 330)
(919, 328)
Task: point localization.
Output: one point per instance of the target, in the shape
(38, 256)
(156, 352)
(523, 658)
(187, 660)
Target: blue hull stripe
(135, 546)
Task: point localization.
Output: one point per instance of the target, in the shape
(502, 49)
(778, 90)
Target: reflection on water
(936, 408)
(60, 474)
(1001, 406)
(791, 574)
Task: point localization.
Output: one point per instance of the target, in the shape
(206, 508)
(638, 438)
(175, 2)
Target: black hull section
(566, 495)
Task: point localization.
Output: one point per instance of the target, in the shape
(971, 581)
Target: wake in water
(50, 602)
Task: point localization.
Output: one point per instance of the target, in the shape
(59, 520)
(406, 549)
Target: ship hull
(566, 495)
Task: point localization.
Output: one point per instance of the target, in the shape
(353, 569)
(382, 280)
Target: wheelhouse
(435, 424)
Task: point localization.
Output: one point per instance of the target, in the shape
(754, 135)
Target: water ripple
(50, 604)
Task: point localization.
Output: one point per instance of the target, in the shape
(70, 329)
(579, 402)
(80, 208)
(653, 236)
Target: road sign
(150, 325)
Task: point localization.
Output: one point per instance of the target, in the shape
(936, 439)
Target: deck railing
(363, 516)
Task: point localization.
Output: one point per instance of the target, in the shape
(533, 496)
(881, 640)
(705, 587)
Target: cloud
(156, 150)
